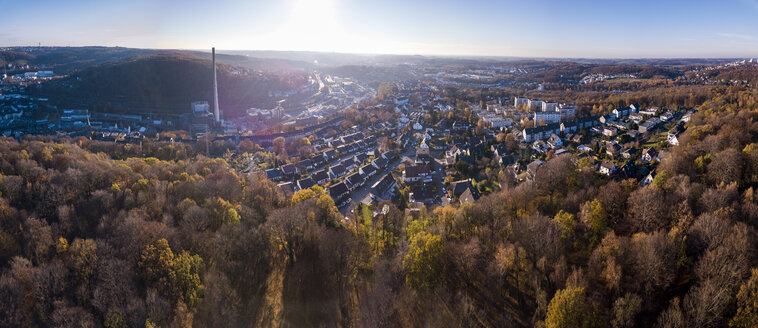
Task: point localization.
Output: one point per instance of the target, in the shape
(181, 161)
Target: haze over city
(543, 28)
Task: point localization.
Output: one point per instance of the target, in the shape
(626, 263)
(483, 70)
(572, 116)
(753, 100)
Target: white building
(547, 117)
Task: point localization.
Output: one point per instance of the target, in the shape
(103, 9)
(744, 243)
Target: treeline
(101, 241)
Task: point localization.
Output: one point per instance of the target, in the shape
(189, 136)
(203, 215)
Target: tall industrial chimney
(216, 114)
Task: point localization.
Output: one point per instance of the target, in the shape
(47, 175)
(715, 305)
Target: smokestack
(216, 114)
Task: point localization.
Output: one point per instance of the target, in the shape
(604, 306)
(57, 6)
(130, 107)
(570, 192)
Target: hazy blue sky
(546, 28)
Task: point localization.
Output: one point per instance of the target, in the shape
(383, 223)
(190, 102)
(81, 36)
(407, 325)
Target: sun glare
(312, 24)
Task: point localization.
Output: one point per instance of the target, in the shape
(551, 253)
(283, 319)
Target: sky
(531, 28)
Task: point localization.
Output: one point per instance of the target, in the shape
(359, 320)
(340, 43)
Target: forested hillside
(167, 84)
(91, 236)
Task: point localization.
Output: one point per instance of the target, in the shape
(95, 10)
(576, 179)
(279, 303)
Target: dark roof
(347, 162)
(305, 183)
(500, 149)
(305, 163)
(381, 162)
(289, 169)
(335, 191)
(273, 174)
(331, 153)
(508, 159)
(320, 175)
(317, 160)
(355, 179)
(459, 187)
(338, 170)
(422, 192)
(539, 129)
(586, 119)
(382, 186)
(367, 169)
(412, 171)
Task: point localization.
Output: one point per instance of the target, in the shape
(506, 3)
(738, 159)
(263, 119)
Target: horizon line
(398, 54)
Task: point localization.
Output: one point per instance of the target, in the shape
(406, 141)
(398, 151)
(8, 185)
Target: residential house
(415, 173)
(385, 187)
(586, 122)
(305, 164)
(380, 163)
(289, 169)
(648, 179)
(468, 196)
(367, 170)
(336, 143)
(612, 149)
(340, 194)
(458, 188)
(355, 181)
(305, 183)
(568, 127)
(629, 153)
(649, 154)
(673, 137)
(320, 177)
(360, 158)
(607, 168)
(609, 131)
(499, 150)
(649, 111)
(541, 132)
(647, 125)
(555, 141)
(330, 155)
(337, 171)
(317, 161)
(540, 146)
(421, 192)
(274, 174)
(349, 163)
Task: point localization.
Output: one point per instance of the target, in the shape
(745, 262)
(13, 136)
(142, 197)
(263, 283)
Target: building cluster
(345, 165)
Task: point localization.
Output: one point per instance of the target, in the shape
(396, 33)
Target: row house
(355, 181)
(340, 194)
(320, 177)
(368, 171)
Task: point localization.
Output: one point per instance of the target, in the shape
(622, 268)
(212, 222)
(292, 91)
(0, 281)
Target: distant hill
(165, 84)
